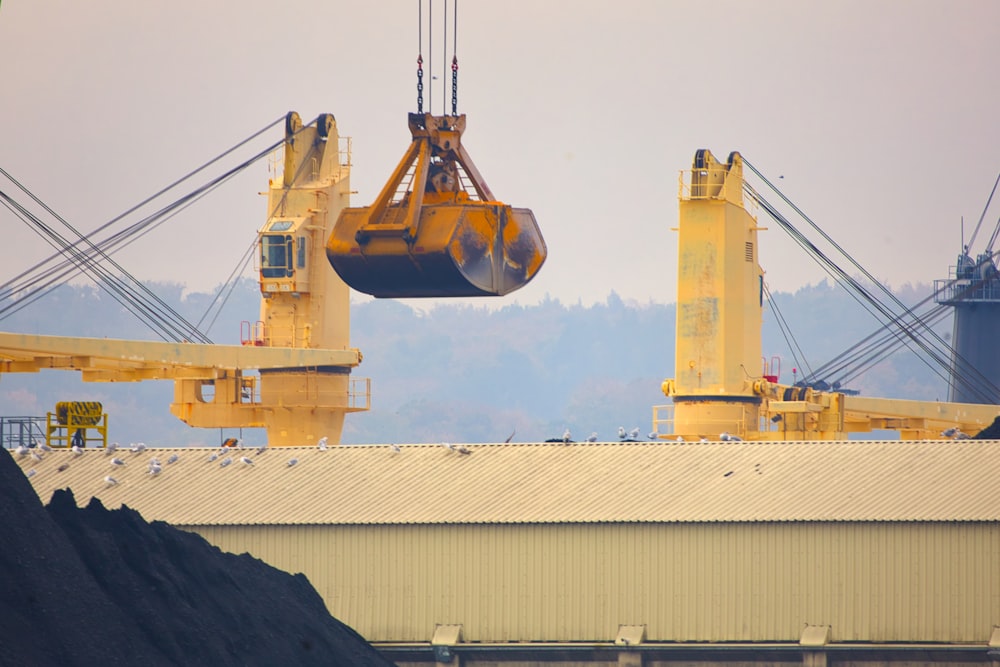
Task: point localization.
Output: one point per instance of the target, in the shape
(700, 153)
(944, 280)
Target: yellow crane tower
(719, 388)
(300, 346)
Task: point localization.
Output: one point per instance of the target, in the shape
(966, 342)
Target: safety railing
(966, 290)
(359, 394)
(17, 431)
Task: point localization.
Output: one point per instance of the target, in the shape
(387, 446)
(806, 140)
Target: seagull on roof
(138, 447)
(245, 460)
(154, 461)
(109, 480)
(621, 433)
(260, 450)
(292, 462)
(447, 445)
(77, 450)
(35, 455)
(44, 446)
(462, 449)
(962, 436)
(21, 450)
(31, 473)
(592, 437)
(155, 470)
(62, 467)
(173, 459)
(117, 462)
(213, 456)
(950, 432)
(322, 444)
(566, 436)
(110, 448)
(395, 448)
(226, 461)
(679, 438)
(634, 434)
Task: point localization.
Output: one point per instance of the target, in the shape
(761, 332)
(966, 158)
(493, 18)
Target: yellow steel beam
(29, 353)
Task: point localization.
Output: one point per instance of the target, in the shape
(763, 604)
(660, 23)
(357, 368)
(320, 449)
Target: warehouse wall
(871, 582)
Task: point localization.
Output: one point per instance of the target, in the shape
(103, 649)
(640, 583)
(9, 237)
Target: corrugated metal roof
(548, 483)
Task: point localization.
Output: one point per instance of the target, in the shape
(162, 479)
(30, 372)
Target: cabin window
(300, 260)
(276, 256)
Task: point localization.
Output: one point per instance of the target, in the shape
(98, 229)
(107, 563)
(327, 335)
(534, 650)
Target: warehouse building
(819, 553)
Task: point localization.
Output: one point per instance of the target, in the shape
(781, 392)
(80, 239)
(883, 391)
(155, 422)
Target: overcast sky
(882, 117)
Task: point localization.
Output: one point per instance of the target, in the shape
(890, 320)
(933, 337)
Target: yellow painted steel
(720, 388)
(300, 347)
(76, 423)
(719, 287)
(695, 582)
(436, 229)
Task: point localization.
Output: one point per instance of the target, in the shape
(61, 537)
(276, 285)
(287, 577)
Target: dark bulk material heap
(103, 587)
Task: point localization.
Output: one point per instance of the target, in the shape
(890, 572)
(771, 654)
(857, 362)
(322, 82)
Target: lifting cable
(120, 291)
(786, 332)
(910, 327)
(81, 260)
(972, 240)
(430, 57)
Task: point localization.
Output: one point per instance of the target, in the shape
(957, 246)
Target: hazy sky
(881, 116)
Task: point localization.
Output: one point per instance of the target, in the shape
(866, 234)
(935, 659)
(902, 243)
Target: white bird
(950, 432)
(261, 450)
(35, 455)
(44, 447)
(213, 456)
(462, 449)
(292, 462)
(110, 448)
(109, 480)
(155, 470)
(395, 448)
(246, 461)
(592, 437)
(962, 436)
(31, 473)
(447, 445)
(621, 433)
(566, 436)
(154, 461)
(322, 444)
(138, 447)
(173, 459)
(77, 450)
(117, 462)
(724, 437)
(634, 433)
(239, 443)
(679, 438)
(226, 461)
(704, 440)
(21, 450)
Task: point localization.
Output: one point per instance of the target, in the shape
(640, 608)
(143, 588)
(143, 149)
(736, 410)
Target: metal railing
(966, 290)
(16, 431)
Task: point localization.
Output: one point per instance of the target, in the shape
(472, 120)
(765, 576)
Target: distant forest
(462, 373)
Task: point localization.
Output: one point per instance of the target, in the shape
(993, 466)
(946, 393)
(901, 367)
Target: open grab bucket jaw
(436, 229)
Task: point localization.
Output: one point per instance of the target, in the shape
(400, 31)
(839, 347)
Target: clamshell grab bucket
(434, 239)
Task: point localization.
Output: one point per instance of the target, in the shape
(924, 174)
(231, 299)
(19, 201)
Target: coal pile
(991, 432)
(94, 586)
